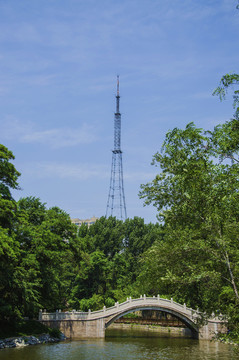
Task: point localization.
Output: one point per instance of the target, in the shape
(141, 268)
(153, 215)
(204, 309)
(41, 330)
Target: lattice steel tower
(116, 199)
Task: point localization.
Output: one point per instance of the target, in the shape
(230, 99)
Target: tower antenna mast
(116, 205)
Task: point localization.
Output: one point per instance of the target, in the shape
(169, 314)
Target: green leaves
(228, 81)
(8, 181)
(184, 162)
(47, 262)
(196, 194)
(108, 260)
(225, 141)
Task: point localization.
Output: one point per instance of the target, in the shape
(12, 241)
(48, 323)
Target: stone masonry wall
(79, 329)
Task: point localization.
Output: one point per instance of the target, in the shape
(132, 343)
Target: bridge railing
(118, 308)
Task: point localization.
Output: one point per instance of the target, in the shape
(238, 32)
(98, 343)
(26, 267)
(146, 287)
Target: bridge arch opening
(185, 320)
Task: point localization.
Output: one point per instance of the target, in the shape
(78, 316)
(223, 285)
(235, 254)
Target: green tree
(197, 199)
(107, 261)
(225, 141)
(8, 181)
(107, 235)
(9, 257)
(138, 238)
(8, 173)
(93, 278)
(47, 237)
(225, 137)
(227, 82)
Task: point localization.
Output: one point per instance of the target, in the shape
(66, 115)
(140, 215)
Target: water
(125, 345)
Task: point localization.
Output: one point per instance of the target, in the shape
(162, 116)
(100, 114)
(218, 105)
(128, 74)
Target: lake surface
(125, 344)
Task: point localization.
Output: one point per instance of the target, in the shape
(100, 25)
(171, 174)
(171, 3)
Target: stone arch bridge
(78, 324)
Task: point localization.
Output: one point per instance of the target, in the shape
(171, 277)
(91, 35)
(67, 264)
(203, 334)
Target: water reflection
(125, 345)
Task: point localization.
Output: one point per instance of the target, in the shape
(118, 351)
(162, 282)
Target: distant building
(89, 222)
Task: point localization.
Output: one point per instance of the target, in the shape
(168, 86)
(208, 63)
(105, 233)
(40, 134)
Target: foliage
(8, 181)
(197, 199)
(225, 141)
(108, 261)
(25, 328)
(228, 81)
(47, 262)
(8, 173)
(46, 236)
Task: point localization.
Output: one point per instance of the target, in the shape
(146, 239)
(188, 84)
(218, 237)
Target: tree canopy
(196, 195)
(47, 262)
(8, 180)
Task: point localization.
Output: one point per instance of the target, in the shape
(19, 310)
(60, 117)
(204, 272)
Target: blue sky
(58, 66)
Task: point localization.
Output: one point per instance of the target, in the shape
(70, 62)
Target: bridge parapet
(93, 323)
(143, 301)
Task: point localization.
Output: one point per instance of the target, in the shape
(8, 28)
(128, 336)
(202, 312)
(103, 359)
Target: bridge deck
(78, 324)
(129, 304)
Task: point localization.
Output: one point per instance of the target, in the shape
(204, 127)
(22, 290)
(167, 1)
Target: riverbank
(22, 341)
(27, 332)
(163, 330)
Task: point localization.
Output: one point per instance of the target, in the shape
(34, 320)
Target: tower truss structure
(116, 205)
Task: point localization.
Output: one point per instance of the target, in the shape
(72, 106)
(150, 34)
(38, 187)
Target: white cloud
(55, 138)
(202, 95)
(65, 170)
(41, 80)
(80, 171)
(140, 176)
